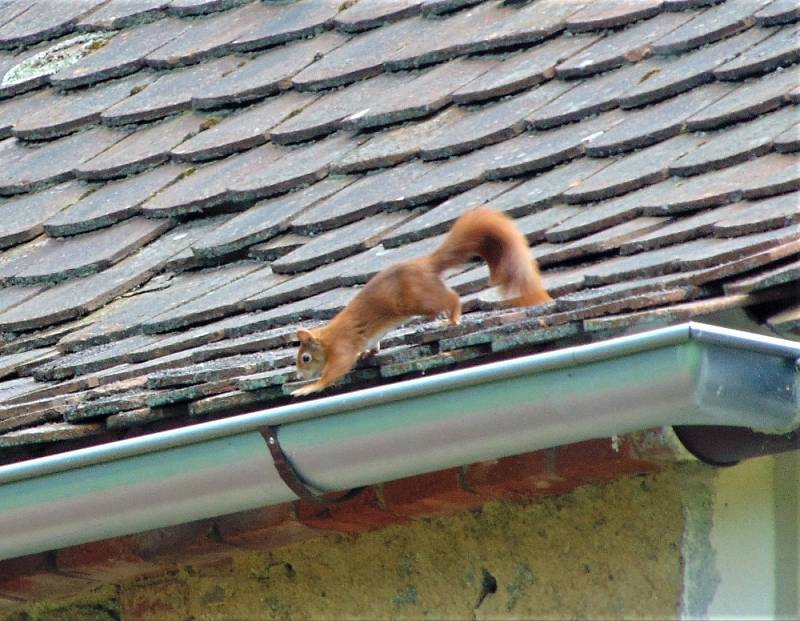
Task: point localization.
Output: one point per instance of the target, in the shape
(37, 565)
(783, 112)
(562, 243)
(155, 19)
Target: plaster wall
(603, 551)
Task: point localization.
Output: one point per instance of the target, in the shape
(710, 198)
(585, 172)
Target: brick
(599, 460)
(361, 514)
(265, 528)
(192, 542)
(35, 578)
(433, 493)
(516, 477)
(111, 560)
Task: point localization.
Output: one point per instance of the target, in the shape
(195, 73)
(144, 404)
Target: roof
(183, 182)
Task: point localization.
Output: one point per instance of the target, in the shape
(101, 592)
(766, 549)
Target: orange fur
(415, 287)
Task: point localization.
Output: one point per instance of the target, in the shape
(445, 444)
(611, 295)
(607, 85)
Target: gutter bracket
(291, 477)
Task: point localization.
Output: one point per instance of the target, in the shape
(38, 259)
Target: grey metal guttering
(690, 374)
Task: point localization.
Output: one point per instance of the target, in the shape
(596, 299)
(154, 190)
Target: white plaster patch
(56, 57)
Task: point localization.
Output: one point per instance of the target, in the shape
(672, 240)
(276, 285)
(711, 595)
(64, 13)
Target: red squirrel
(415, 287)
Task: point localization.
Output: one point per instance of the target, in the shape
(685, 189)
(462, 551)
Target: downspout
(683, 375)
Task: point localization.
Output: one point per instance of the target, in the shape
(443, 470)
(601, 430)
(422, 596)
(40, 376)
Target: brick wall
(155, 554)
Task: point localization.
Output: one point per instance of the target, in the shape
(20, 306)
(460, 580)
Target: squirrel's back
(494, 237)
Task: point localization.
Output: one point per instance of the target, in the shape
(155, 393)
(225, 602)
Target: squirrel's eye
(306, 357)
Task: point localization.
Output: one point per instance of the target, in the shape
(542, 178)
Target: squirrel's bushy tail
(495, 238)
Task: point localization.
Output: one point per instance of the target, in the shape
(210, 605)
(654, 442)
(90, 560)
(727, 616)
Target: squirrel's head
(310, 354)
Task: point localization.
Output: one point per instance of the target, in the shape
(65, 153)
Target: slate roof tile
(201, 7)
(536, 151)
(426, 93)
(522, 69)
(50, 432)
(339, 243)
(54, 162)
(59, 259)
(780, 275)
(324, 115)
(149, 146)
(668, 76)
(439, 219)
(612, 14)
(80, 296)
(657, 122)
(287, 23)
(778, 12)
(171, 92)
(734, 145)
(111, 203)
(788, 140)
(33, 26)
(122, 55)
(627, 45)
(590, 96)
(680, 230)
(716, 23)
(600, 260)
(364, 197)
(208, 38)
(548, 187)
(631, 172)
(367, 15)
(265, 220)
(24, 216)
(748, 100)
(267, 73)
(493, 123)
(123, 13)
(396, 145)
(65, 114)
(296, 167)
(779, 50)
(695, 254)
(221, 302)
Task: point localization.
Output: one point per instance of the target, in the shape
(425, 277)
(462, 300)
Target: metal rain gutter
(691, 374)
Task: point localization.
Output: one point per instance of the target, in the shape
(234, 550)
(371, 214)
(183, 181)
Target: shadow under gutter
(686, 375)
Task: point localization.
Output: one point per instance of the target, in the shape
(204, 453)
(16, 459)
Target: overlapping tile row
(200, 176)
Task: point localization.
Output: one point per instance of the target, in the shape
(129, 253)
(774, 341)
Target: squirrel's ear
(305, 336)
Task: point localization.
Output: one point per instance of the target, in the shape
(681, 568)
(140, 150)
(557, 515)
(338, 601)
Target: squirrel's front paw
(306, 390)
